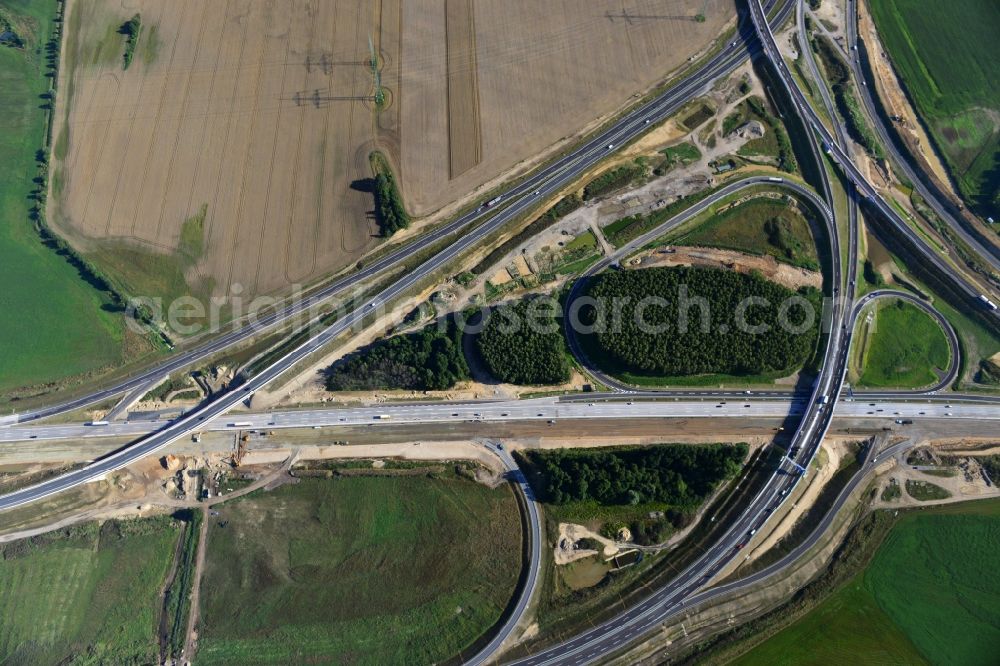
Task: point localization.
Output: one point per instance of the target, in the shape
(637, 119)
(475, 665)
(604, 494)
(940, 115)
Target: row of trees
(689, 321)
(522, 343)
(430, 359)
(676, 474)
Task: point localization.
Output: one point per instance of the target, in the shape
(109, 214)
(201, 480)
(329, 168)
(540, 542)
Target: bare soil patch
(788, 276)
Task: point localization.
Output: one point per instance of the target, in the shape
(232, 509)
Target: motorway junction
(891, 421)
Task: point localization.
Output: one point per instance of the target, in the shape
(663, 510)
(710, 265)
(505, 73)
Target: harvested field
(464, 141)
(232, 155)
(227, 152)
(543, 70)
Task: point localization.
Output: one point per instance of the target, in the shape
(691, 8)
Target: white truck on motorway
(97, 423)
(987, 302)
(383, 417)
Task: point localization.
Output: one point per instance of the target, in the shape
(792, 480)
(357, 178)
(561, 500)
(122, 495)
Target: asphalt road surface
(538, 409)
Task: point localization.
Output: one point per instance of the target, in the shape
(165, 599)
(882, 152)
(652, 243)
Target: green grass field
(746, 228)
(935, 576)
(52, 317)
(847, 628)
(904, 348)
(930, 595)
(90, 598)
(361, 570)
(946, 55)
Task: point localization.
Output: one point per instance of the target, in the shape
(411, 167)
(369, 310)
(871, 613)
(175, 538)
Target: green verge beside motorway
(58, 324)
(946, 56)
(358, 569)
(929, 595)
(902, 349)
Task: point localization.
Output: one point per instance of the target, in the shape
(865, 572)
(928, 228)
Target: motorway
(984, 244)
(538, 409)
(547, 182)
(683, 591)
(630, 625)
(517, 201)
(867, 191)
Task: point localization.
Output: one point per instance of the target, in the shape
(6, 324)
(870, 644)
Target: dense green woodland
(676, 474)
(726, 347)
(522, 343)
(430, 359)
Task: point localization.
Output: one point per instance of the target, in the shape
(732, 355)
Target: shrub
(131, 29)
(390, 213)
(612, 180)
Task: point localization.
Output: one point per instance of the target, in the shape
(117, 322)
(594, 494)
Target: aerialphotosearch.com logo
(189, 316)
(653, 315)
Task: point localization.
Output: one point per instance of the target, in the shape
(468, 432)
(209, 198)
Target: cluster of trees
(130, 29)
(389, 210)
(612, 180)
(563, 207)
(676, 474)
(522, 343)
(430, 359)
(703, 321)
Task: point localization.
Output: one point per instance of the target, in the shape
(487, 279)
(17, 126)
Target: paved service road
(533, 566)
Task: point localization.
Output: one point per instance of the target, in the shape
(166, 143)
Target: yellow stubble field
(233, 152)
(257, 112)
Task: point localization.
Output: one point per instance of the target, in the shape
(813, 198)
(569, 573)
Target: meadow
(849, 627)
(362, 570)
(759, 226)
(946, 55)
(48, 314)
(930, 595)
(904, 348)
(90, 593)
